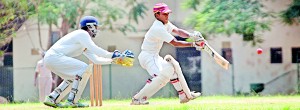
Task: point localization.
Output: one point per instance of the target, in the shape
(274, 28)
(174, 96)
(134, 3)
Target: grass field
(203, 103)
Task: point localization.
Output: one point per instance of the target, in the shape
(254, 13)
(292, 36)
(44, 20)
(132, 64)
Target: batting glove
(199, 45)
(196, 36)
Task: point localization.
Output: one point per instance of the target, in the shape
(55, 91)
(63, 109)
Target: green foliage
(50, 11)
(243, 17)
(137, 10)
(193, 4)
(292, 14)
(12, 15)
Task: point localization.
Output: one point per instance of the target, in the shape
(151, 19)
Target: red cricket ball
(259, 51)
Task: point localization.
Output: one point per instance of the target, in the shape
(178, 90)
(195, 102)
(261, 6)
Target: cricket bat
(215, 55)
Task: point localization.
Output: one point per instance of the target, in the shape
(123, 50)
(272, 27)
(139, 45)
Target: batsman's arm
(198, 45)
(177, 43)
(182, 33)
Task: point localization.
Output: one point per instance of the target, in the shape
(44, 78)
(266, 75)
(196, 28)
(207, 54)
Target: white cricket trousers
(64, 66)
(151, 62)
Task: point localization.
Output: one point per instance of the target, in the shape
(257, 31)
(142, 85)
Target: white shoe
(139, 102)
(184, 99)
(195, 94)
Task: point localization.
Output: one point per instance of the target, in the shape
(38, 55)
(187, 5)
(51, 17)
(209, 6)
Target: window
(227, 51)
(227, 54)
(276, 55)
(55, 36)
(296, 55)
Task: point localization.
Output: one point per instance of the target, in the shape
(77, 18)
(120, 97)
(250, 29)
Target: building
(125, 82)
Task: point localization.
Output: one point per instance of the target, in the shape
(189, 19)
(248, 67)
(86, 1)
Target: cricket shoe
(139, 102)
(51, 103)
(195, 94)
(184, 99)
(75, 105)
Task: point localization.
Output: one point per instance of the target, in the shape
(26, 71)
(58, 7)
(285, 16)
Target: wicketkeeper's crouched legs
(64, 92)
(57, 95)
(76, 87)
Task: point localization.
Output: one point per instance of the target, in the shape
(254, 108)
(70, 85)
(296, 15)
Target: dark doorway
(190, 62)
(6, 72)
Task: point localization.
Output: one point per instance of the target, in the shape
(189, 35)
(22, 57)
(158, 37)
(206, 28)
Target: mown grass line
(203, 103)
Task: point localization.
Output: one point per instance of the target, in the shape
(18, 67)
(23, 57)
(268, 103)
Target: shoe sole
(184, 101)
(74, 106)
(147, 103)
(50, 104)
(82, 106)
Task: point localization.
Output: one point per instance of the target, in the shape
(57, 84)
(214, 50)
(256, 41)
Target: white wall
(249, 67)
(24, 62)
(252, 68)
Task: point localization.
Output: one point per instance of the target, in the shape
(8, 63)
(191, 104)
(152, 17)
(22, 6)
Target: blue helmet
(88, 19)
(90, 22)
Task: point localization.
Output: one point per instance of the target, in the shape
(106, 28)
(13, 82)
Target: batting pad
(152, 87)
(157, 82)
(83, 82)
(180, 76)
(81, 86)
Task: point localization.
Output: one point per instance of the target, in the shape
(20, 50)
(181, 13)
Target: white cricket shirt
(79, 42)
(156, 36)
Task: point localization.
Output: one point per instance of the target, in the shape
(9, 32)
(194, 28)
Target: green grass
(202, 103)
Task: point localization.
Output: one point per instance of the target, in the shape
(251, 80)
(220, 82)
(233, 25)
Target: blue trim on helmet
(88, 19)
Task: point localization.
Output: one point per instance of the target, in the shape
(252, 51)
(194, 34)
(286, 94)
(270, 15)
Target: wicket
(96, 86)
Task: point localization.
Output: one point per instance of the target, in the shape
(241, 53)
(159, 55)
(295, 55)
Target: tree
(12, 15)
(292, 14)
(243, 17)
(49, 11)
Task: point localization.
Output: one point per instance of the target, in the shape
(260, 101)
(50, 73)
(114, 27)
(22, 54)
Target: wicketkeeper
(75, 73)
(164, 70)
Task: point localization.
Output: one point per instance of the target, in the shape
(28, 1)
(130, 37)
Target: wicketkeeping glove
(125, 59)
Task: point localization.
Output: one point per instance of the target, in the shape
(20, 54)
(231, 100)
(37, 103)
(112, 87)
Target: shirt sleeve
(96, 59)
(163, 34)
(170, 27)
(87, 42)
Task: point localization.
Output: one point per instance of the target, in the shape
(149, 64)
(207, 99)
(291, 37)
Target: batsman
(167, 69)
(75, 73)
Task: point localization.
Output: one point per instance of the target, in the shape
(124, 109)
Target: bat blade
(216, 56)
